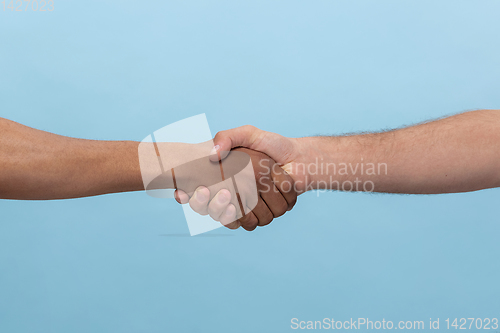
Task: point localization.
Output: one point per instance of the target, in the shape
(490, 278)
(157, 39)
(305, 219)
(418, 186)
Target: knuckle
(251, 223)
(219, 135)
(268, 218)
(244, 219)
(224, 222)
(249, 227)
(199, 210)
(233, 226)
(281, 209)
(194, 205)
(264, 223)
(249, 128)
(227, 219)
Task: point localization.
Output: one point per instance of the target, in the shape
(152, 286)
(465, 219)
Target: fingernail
(200, 196)
(229, 212)
(223, 198)
(214, 150)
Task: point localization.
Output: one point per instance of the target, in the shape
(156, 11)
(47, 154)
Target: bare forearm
(455, 154)
(39, 165)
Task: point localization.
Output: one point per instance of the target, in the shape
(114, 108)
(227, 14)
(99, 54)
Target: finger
(262, 213)
(224, 141)
(273, 198)
(219, 203)
(249, 222)
(284, 183)
(233, 225)
(276, 146)
(229, 215)
(199, 200)
(181, 197)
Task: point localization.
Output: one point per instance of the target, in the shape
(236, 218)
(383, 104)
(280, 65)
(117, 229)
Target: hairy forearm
(456, 154)
(39, 165)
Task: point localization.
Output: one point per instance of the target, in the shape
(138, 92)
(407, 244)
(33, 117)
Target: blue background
(122, 69)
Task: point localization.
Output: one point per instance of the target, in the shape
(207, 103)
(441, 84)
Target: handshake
(239, 179)
(247, 177)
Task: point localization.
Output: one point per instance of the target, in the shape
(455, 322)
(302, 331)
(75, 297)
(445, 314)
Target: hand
(290, 153)
(274, 186)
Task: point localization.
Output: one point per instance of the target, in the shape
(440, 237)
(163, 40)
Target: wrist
(160, 163)
(308, 152)
(120, 166)
(329, 162)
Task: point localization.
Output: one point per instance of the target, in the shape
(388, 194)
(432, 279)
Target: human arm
(460, 153)
(38, 165)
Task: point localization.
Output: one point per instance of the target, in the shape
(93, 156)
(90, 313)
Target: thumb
(224, 141)
(278, 147)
